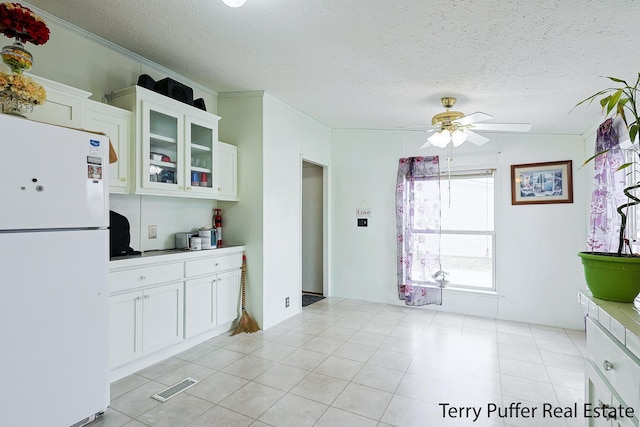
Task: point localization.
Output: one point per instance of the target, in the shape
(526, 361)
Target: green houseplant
(616, 276)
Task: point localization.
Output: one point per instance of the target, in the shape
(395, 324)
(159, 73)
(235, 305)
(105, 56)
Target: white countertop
(622, 319)
(169, 255)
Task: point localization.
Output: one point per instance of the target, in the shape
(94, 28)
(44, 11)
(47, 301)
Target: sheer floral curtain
(419, 275)
(608, 185)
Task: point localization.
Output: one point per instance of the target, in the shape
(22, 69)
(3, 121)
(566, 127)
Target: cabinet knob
(606, 414)
(607, 365)
(217, 264)
(138, 298)
(142, 278)
(123, 179)
(146, 296)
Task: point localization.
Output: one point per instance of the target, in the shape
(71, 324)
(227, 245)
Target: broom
(246, 323)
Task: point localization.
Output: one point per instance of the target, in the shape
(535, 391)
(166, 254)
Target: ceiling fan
(455, 127)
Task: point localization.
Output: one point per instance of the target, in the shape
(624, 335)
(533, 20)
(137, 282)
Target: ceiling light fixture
(444, 137)
(455, 127)
(450, 130)
(234, 3)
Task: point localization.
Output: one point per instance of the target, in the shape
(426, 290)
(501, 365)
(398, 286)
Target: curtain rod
(483, 171)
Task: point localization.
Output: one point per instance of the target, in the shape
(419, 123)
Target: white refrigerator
(54, 246)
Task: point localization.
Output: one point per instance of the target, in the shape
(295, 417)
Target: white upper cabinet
(116, 124)
(63, 106)
(226, 171)
(175, 145)
(164, 147)
(201, 155)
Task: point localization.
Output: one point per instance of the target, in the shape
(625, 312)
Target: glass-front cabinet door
(200, 138)
(162, 148)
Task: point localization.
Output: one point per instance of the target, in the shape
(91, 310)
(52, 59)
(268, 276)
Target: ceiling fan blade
(503, 127)
(473, 118)
(475, 138)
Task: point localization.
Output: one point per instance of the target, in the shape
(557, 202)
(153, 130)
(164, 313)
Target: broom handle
(242, 278)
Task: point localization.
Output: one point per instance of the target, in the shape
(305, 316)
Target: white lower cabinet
(211, 301)
(162, 317)
(143, 322)
(165, 304)
(600, 400)
(228, 296)
(125, 328)
(612, 377)
(200, 301)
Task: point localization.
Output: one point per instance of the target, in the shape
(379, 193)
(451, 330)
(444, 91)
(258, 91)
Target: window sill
(475, 292)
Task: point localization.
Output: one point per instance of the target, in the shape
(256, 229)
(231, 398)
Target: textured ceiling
(382, 64)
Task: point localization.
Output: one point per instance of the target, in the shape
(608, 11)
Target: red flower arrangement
(17, 21)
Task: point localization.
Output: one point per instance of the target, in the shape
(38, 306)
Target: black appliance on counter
(120, 236)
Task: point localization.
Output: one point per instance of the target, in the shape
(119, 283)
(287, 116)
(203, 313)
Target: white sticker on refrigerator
(94, 167)
(94, 172)
(94, 147)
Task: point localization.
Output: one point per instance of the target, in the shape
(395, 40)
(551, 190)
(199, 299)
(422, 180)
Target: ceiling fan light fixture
(234, 3)
(458, 137)
(440, 139)
(457, 128)
(444, 136)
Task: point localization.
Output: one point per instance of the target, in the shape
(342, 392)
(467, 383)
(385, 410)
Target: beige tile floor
(352, 363)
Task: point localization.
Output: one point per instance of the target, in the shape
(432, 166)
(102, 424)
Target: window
(633, 213)
(467, 229)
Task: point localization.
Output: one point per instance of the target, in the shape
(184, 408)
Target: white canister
(196, 243)
(205, 235)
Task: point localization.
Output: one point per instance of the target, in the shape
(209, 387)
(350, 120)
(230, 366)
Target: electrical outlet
(286, 302)
(153, 231)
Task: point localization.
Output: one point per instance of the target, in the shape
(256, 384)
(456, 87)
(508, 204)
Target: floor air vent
(175, 389)
(82, 422)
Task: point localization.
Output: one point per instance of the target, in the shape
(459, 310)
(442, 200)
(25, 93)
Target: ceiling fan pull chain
(449, 159)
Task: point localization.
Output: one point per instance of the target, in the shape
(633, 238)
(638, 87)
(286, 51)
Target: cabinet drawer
(144, 276)
(615, 363)
(213, 264)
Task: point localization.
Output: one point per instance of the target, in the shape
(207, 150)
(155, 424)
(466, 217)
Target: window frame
(632, 155)
(461, 174)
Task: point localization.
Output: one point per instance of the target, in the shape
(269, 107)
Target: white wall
(168, 214)
(82, 60)
(272, 139)
(289, 135)
(241, 125)
(538, 273)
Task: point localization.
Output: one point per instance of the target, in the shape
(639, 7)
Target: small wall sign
(363, 211)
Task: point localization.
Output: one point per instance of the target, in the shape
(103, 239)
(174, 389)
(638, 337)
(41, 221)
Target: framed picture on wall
(542, 183)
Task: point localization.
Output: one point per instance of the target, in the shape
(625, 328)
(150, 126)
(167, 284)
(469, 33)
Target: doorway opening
(313, 233)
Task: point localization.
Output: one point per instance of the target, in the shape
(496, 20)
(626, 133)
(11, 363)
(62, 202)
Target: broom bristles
(246, 324)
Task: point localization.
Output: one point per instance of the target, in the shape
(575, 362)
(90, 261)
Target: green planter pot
(611, 277)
